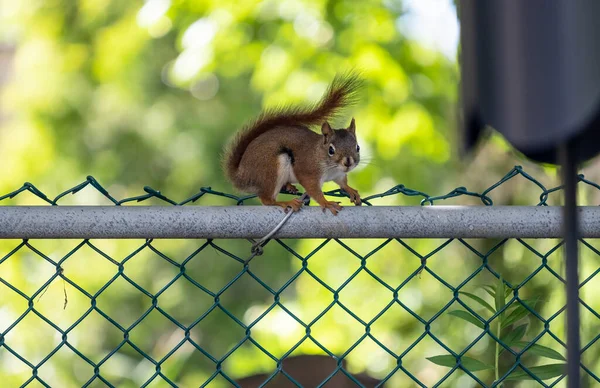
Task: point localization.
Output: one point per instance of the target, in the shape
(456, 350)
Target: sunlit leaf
(479, 300)
(518, 313)
(490, 290)
(540, 350)
(543, 372)
(499, 295)
(469, 363)
(529, 302)
(513, 336)
(467, 317)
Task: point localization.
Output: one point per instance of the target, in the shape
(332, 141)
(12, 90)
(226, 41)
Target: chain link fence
(391, 312)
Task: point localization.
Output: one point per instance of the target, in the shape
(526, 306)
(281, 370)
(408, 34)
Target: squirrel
(278, 149)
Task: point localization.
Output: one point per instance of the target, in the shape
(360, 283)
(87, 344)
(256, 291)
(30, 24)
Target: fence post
(571, 233)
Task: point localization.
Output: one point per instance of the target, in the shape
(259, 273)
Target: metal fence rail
(504, 320)
(85, 222)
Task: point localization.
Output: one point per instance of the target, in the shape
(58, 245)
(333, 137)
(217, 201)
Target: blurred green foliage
(138, 94)
(148, 94)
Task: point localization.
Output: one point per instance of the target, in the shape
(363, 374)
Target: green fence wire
(502, 321)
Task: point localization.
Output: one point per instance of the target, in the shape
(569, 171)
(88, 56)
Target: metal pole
(571, 233)
(243, 222)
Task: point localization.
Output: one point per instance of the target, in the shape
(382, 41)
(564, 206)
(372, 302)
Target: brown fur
(309, 371)
(279, 145)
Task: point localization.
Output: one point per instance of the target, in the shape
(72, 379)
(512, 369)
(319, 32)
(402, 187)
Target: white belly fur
(332, 175)
(285, 174)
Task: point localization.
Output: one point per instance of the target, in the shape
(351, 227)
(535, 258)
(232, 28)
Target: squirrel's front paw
(334, 207)
(354, 196)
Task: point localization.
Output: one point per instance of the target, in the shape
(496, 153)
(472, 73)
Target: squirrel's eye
(331, 150)
(357, 148)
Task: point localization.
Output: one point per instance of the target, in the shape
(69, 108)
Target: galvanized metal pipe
(126, 222)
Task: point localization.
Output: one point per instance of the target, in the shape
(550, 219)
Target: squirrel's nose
(347, 162)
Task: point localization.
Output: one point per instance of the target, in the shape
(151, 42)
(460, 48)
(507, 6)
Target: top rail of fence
(178, 221)
(216, 222)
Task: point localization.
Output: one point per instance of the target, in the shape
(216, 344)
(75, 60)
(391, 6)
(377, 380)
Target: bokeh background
(147, 93)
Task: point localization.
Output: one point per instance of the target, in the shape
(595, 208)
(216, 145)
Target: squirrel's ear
(326, 130)
(352, 127)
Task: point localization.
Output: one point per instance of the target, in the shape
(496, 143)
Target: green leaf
(543, 372)
(471, 364)
(529, 302)
(540, 350)
(519, 312)
(490, 290)
(479, 300)
(467, 317)
(516, 315)
(513, 336)
(499, 297)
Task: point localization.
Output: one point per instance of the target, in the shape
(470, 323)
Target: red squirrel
(278, 149)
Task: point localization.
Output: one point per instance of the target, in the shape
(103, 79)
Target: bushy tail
(341, 93)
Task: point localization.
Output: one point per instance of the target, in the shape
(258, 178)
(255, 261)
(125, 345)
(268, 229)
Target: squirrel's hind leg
(294, 204)
(290, 188)
(268, 194)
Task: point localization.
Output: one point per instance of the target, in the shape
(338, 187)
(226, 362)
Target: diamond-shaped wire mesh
(194, 313)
